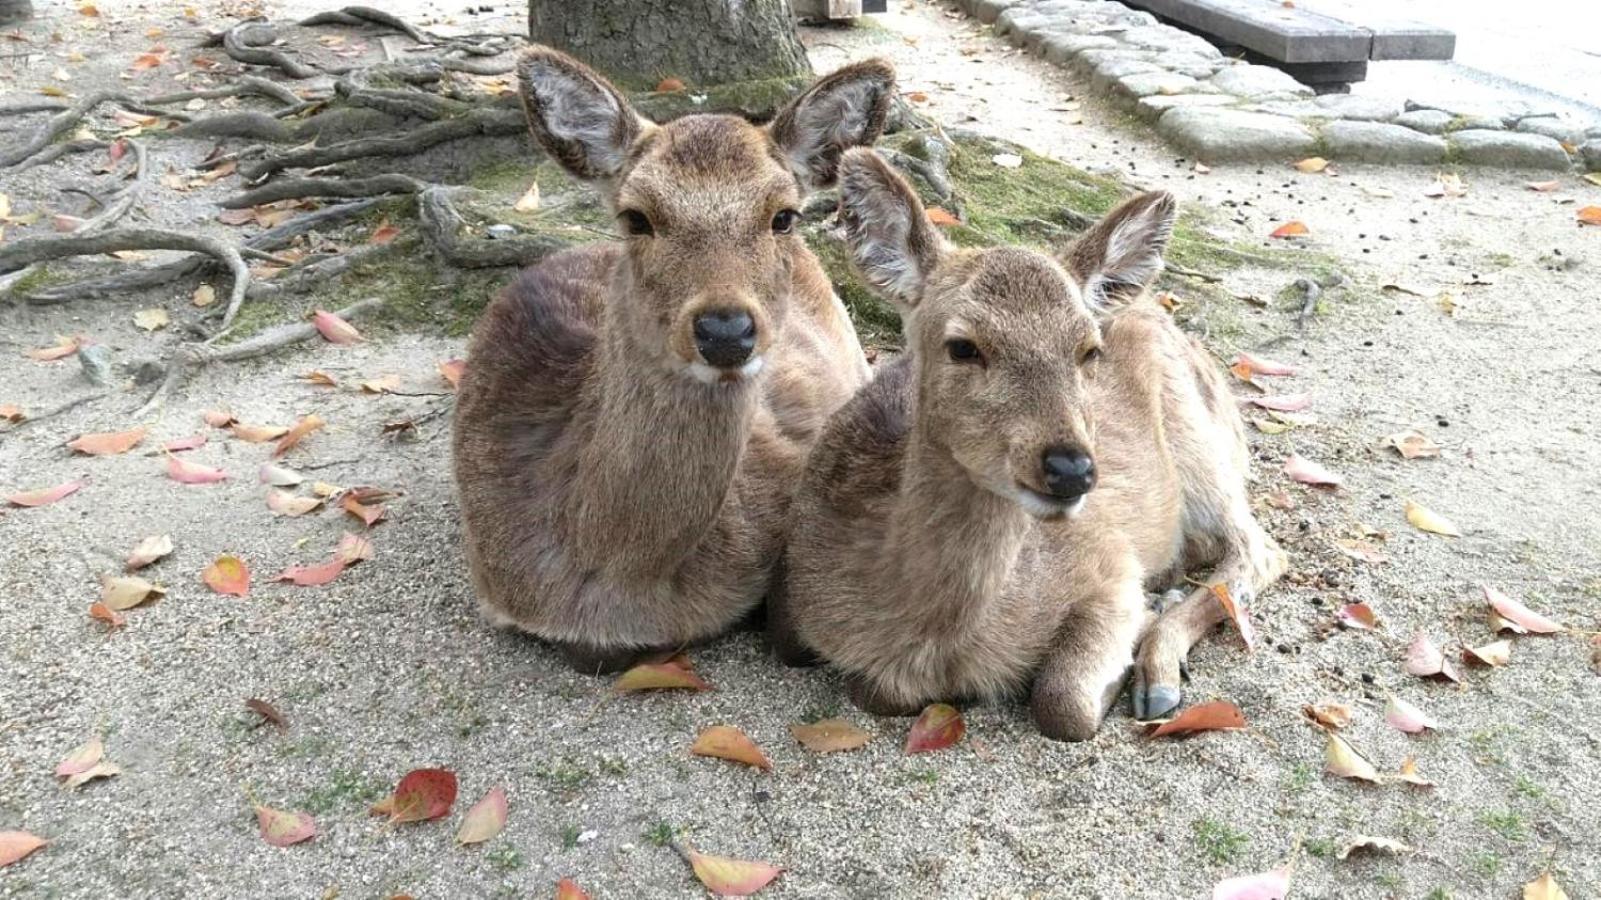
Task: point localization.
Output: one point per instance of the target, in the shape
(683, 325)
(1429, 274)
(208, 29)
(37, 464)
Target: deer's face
(708, 204)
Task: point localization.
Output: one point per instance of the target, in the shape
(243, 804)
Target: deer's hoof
(1156, 701)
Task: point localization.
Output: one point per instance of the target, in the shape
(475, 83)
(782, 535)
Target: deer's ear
(576, 115)
(1118, 257)
(843, 110)
(894, 245)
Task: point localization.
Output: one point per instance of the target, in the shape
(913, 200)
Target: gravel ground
(390, 668)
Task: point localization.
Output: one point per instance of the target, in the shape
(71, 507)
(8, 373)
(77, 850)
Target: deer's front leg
(1088, 662)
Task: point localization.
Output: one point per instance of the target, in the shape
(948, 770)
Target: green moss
(1031, 204)
(40, 277)
(877, 323)
(1220, 843)
(346, 791)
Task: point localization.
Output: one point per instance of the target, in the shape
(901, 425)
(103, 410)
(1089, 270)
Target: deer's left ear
(1118, 257)
(843, 110)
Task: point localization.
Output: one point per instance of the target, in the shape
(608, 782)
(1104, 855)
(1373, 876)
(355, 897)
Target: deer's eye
(784, 222)
(964, 351)
(636, 223)
(1091, 355)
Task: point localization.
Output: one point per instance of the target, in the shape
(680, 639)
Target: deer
(985, 517)
(635, 414)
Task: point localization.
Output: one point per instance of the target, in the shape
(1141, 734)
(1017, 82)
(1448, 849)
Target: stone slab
(1222, 135)
(1286, 34)
(1362, 109)
(1428, 121)
(1151, 108)
(1381, 143)
(1257, 82)
(1509, 149)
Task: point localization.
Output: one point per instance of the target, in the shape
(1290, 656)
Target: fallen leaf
(278, 476)
(82, 758)
(293, 436)
(267, 711)
(258, 434)
(1543, 888)
(568, 889)
(942, 217)
(1409, 773)
(227, 575)
(1494, 654)
(383, 234)
(830, 736)
(353, 548)
(1446, 184)
(109, 443)
(237, 216)
(204, 296)
(1007, 160)
(1412, 444)
(1283, 402)
(1590, 215)
(11, 412)
(99, 770)
(44, 496)
(1516, 616)
(1447, 303)
(1312, 164)
(1237, 613)
(185, 472)
(423, 794)
(1424, 519)
(1218, 715)
(312, 576)
(1328, 714)
(1594, 178)
(280, 828)
(106, 614)
(1361, 551)
(1201, 168)
(63, 348)
(726, 742)
(180, 445)
(674, 674)
(369, 515)
(382, 385)
(1363, 842)
(334, 329)
(1406, 717)
(1290, 229)
(1341, 759)
(124, 592)
(283, 503)
(1256, 365)
(320, 378)
(529, 201)
(730, 877)
(14, 845)
(1266, 886)
(1305, 471)
(151, 319)
(217, 418)
(451, 370)
(1358, 615)
(1543, 186)
(939, 726)
(669, 85)
(1425, 660)
(485, 820)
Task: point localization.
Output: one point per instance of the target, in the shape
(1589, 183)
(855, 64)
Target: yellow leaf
(151, 319)
(205, 295)
(1544, 888)
(725, 742)
(1424, 519)
(1341, 759)
(529, 201)
(1312, 164)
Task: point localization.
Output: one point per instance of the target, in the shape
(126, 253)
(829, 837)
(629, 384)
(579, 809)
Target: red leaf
(1518, 617)
(383, 234)
(227, 575)
(1219, 715)
(1256, 365)
(1304, 470)
(1358, 615)
(1266, 886)
(44, 496)
(14, 845)
(726, 742)
(568, 889)
(1290, 229)
(108, 443)
(305, 426)
(938, 727)
(730, 877)
(1424, 659)
(281, 829)
(313, 576)
(1590, 215)
(182, 444)
(106, 614)
(186, 472)
(674, 674)
(334, 329)
(267, 711)
(669, 85)
(422, 794)
(485, 819)
(1238, 614)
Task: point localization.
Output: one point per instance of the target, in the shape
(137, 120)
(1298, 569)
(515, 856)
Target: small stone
(1361, 109)
(1112, 68)
(1428, 121)
(500, 231)
(1381, 143)
(1259, 82)
(96, 362)
(588, 835)
(1216, 135)
(1509, 149)
(1151, 108)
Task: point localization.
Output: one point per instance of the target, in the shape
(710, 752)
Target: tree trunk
(15, 11)
(639, 43)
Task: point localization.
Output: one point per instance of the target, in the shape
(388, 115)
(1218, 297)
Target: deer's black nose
(725, 337)
(1069, 472)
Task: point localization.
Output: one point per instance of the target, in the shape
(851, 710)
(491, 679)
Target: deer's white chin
(712, 375)
(1044, 506)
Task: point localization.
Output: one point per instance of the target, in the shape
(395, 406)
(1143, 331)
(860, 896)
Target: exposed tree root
(295, 188)
(309, 274)
(357, 16)
(246, 43)
(246, 85)
(55, 151)
(441, 225)
(475, 123)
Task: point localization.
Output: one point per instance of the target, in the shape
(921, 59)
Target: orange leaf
(384, 233)
(64, 347)
(258, 434)
(353, 548)
(939, 726)
(305, 426)
(1290, 229)
(369, 515)
(1328, 715)
(830, 735)
(334, 329)
(421, 795)
(44, 496)
(108, 443)
(1544, 888)
(674, 674)
(568, 889)
(14, 845)
(320, 378)
(227, 575)
(313, 576)
(451, 370)
(942, 217)
(730, 877)
(669, 85)
(917, 97)
(1237, 613)
(1358, 615)
(726, 742)
(280, 828)
(106, 614)
(1257, 365)
(1590, 215)
(1409, 773)
(185, 472)
(485, 819)
(11, 412)
(1219, 715)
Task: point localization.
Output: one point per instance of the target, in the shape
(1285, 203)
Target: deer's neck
(661, 459)
(954, 546)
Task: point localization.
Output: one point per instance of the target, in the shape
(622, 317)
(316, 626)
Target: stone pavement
(1220, 109)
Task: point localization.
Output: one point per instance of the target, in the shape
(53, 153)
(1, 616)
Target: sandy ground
(390, 667)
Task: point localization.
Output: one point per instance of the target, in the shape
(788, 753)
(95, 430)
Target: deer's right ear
(576, 115)
(894, 245)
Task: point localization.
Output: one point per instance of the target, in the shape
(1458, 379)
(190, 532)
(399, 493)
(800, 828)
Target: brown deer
(635, 415)
(987, 514)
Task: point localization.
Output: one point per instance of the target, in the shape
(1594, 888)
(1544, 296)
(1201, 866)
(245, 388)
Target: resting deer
(986, 515)
(635, 416)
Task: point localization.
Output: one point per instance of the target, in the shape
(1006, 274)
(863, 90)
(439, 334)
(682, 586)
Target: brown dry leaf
(1412, 444)
(295, 435)
(451, 370)
(82, 758)
(830, 736)
(148, 551)
(1364, 843)
(384, 233)
(730, 877)
(1446, 184)
(1361, 551)
(123, 592)
(281, 829)
(1312, 165)
(258, 434)
(939, 726)
(227, 575)
(106, 614)
(1494, 654)
(1594, 178)
(1590, 215)
(568, 889)
(236, 216)
(353, 548)
(204, 296)
(673, 674)
(485, 820)
(99, 770)
(1357, 615)
(1328, 714)
(917, 97)
(267, 711)
(1219, 715)
(283, 503)
(669, 85)
(1424, 519)
(1514, 616)
(108, 443)
(1544, 888)
(217, 418)
(1409, 774)
(11, 412)
(1341, 759)
(942, 217)
(1290, 229)
(319, 378)
(529, 201)
(727, 742)
(151, 319)
(381, 385)
(369, 515)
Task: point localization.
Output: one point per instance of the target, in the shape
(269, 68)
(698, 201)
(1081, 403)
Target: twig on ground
(58, 125)
(1191, 273)
(32, 106)
(57, 410)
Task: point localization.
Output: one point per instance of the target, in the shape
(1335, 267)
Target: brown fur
(617, 493)
(918, 565)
